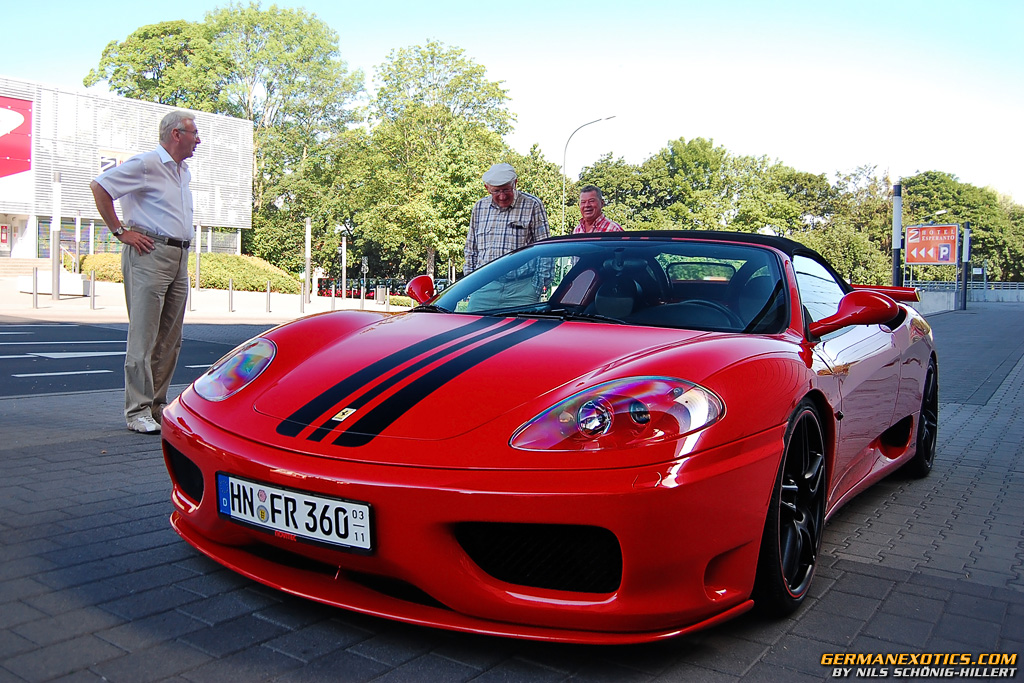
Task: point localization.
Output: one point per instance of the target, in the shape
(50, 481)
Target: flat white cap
(500, 174)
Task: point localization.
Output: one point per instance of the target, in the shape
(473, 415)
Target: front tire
(796, 518)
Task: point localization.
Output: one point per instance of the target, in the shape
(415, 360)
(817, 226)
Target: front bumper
(687, 530)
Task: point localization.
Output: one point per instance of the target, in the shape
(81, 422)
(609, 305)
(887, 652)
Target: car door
(863, 361)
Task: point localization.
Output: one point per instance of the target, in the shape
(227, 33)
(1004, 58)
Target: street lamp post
(564, 152)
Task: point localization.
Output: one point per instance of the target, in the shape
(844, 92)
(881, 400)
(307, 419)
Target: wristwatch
(119, 231)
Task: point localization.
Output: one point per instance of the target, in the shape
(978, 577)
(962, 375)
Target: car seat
(616, 298)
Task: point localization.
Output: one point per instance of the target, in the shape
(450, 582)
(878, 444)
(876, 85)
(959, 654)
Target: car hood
(431, 377)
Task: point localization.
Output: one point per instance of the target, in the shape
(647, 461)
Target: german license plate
(295, 514)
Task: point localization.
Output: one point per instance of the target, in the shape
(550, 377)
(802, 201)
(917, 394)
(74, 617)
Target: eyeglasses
(195, 133)
(498, 191)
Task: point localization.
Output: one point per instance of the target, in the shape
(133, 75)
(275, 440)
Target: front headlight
(234, 371)
(621, 413)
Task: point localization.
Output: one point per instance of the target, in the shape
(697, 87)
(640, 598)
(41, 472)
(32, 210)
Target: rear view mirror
(420, 288)
(860, 307)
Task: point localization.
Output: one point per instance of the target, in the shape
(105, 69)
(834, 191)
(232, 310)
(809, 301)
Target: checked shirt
(494, 232)
(602, 224)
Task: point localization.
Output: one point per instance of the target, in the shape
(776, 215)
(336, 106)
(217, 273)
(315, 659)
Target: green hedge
(401, 301)
(107, 267)
(247, 273)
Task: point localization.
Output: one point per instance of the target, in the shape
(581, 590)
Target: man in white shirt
(157, 204)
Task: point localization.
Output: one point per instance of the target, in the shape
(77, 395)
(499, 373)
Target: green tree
(689, 185)
(541, 178)
(850, 251)
(327, 187)
(436, 75)
(1013, 261)
(622, 185)
(425, 179)
(816, 199)
(173, 63)
(994, 236)
(438, 122)
(760, 200)
(864, 198)
(280, 69)
(288, 79)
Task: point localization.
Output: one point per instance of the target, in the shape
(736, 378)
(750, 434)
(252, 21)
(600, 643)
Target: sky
(823, 86)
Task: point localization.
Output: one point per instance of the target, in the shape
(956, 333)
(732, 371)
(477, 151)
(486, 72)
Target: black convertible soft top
(783, 244)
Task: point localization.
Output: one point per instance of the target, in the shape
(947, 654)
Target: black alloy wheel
(796, 518)
(927, 426)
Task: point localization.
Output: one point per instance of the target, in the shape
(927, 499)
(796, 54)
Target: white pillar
(309, 244)
(897, 233)
(78, 239)
(344, 265)
(55, 237)
(199, 251)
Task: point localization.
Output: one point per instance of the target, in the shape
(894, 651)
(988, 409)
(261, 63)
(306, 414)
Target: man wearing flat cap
(504, 221)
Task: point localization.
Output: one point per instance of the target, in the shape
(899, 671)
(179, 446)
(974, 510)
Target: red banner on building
(932, 245)
(15, 136)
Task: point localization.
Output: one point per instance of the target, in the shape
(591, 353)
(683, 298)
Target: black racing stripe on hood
(328, 425)
(308, 413)
(366, 428)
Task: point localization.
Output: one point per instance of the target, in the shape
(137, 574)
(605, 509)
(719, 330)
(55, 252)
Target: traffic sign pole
(965, 262)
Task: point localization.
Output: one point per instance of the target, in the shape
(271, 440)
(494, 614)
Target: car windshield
(691, 284)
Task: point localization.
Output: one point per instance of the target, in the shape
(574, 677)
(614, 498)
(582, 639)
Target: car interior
(701, 294)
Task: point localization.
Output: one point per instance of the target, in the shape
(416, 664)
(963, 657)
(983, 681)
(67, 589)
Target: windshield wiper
(567, 314)
(429, 308)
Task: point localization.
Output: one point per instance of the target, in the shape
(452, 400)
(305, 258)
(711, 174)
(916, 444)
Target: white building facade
(53, 142)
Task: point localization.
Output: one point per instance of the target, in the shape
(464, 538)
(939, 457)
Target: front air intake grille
(582, 559)
(186, 473)
(393, 588)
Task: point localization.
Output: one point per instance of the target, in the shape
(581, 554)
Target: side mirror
(860, 307)
(420, 288)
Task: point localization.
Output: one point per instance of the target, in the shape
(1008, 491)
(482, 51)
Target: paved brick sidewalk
(94, 585)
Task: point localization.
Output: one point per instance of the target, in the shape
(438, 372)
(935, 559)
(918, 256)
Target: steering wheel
(734, 320)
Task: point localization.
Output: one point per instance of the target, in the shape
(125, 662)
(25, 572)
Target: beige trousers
(155, 292)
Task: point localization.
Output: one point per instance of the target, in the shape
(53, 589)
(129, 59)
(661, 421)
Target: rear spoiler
(908, 294)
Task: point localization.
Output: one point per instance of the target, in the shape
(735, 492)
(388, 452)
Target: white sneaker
(144, 424)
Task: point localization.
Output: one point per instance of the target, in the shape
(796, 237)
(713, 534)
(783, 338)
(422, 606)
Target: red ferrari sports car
(604, 438)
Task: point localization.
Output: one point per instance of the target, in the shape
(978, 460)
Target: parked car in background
(354, 286)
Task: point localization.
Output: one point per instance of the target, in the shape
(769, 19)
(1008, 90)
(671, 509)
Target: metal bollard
(92, 289)
(334, 293)
(268, 296)
(35, 287)
(231, 295)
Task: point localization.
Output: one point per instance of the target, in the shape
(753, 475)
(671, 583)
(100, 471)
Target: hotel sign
(932, 245)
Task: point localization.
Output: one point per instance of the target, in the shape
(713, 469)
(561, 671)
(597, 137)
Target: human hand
(141, 243)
